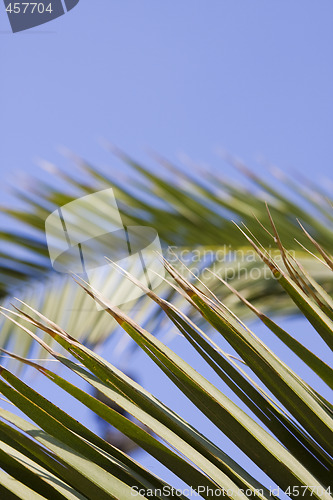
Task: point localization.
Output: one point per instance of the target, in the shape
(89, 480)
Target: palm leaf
(199, 205)
(290, 438)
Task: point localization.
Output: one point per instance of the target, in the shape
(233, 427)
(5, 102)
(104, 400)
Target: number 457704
(29, 8)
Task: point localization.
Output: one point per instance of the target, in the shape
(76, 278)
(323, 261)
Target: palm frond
(286, 427)
(199, 204)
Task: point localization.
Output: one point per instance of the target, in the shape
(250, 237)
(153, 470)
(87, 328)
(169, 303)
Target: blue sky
(253, 78)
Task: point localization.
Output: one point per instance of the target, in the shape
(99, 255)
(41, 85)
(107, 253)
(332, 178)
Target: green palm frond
(200, 207)
(284, 425)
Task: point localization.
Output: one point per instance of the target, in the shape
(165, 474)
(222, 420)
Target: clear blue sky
(252, 77)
